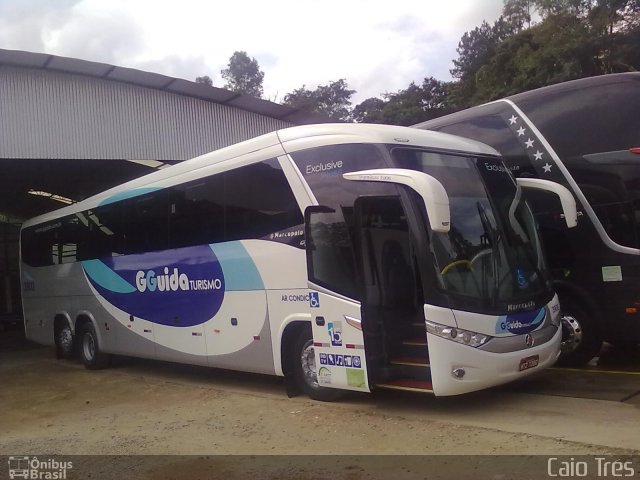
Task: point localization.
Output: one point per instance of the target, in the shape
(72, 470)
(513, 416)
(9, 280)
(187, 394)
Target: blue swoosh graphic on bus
(521, 322)
(128, 194)
(102, 275)
(179, 288)
(240, 272)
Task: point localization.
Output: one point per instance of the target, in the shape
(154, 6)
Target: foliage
(517, 14)
(206, 79)
(574, 39)
(332, 100)
(417, 103)
(243, 75)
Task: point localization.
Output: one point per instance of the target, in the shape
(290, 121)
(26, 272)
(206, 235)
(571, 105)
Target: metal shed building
(70, 128)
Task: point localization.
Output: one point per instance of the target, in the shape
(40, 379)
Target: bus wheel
(64, 341)
(581, 338)
(305, 369)
(90, 353)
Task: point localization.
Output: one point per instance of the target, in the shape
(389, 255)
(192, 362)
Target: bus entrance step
(407, 384)
(410, 361)
(415, 341)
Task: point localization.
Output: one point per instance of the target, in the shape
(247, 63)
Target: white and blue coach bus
(344, 257)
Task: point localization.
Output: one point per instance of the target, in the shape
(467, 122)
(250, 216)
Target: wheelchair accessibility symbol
(314, 300)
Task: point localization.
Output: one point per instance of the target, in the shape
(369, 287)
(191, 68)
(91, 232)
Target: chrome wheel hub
(571, 334)
(65, 339)
(88, 347)
(308, 363)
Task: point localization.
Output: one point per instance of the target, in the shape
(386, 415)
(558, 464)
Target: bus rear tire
(304, 369)
(64, 341)
(581, 337)
(90, 353)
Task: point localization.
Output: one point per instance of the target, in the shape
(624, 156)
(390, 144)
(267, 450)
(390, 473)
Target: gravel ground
(151, 408)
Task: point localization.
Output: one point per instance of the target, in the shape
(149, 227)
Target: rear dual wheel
(64, 341)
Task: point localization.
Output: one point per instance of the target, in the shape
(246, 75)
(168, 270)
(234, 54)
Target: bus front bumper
(457, 369)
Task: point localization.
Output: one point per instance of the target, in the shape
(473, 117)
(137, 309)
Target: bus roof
(614, 78)
(291, 139)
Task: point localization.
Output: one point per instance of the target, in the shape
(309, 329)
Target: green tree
(560, 48)
(517, 14)
(332, 100)
(576, 38)
(206, 79)
(416, 103)
(370, 110)
(243, 75)
(476, 48)
(578, 8)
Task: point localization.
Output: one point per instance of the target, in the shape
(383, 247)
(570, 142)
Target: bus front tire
(304, 369)
(581, 337)
(90, 353)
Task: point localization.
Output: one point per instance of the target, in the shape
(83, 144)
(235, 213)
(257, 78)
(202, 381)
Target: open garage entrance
(31, 187)
(10, 305)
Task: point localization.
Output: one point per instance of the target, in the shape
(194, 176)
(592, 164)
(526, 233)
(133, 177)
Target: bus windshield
(491, 258)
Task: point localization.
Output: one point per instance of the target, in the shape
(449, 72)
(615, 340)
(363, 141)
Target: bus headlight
(464, 337)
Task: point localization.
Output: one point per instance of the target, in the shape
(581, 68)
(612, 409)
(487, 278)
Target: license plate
(529, 362)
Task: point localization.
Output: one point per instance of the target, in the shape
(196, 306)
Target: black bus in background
(584, 134)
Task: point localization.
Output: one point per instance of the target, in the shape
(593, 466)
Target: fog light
(458, 373)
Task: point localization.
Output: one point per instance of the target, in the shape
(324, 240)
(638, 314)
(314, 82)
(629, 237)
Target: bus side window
(259, 203)
(610, 181)
(145, 219)
(322, 168)
(196, 212)
(72, 237)
(330, 256)
(105, 232)
(39, 244)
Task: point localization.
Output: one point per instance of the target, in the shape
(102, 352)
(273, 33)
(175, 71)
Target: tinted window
(491, 252)
(260, 204)
(197, 212)
(523, 152)
(53, 243)
(323, 168)
(105, 232)
(611, 183)
(252, 202)
(38, 243)
(330, 252)
(145, 219)
(599, 115)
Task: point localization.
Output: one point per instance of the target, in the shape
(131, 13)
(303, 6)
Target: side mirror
(429, 188)
(566, 198)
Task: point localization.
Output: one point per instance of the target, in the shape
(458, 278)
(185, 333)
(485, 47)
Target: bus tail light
(635, 150)
(631, 310)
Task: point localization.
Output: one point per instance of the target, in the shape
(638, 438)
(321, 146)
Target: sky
(376, 46)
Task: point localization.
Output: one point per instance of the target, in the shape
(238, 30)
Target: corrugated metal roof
(49, 114)
(157, 81)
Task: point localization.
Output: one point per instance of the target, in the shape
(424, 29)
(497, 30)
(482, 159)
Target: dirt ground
(150, 408)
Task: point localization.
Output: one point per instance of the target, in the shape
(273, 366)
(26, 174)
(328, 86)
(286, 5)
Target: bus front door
(392, 306)
(339, 349)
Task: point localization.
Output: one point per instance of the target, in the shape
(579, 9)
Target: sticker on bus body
(521, 322)
(182, 287)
